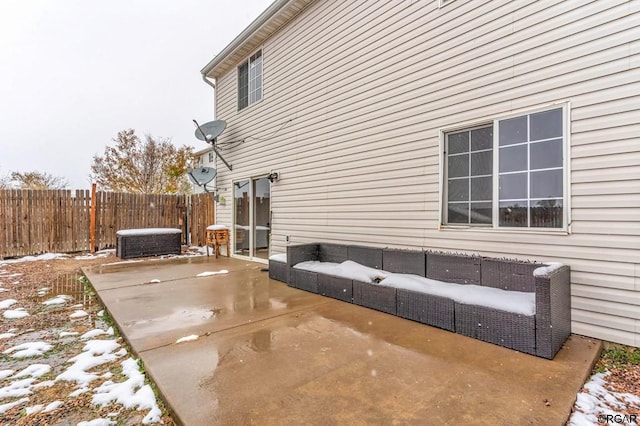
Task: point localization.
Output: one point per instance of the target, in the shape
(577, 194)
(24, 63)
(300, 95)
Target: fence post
(92, 220)
(187, 216)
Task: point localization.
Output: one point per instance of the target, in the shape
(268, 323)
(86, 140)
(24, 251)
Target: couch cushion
(517, 302)
(332, 252)
(453, 268)
(280, 257)
(367, 256)
(404, 261)
(509, 274)
(347, 269)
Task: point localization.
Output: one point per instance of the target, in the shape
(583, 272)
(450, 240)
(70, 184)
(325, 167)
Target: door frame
(252, 243)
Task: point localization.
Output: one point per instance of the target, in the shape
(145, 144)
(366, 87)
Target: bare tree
(152, 166)
(5, 181)
(38, 180)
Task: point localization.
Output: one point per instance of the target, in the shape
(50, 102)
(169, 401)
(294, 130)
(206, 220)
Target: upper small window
(211, 157)
(250, 81)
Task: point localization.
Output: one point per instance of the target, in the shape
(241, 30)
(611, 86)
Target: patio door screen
(252, 200)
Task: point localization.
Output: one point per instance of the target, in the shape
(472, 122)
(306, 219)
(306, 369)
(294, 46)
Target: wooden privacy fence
(43, 221)
(39, 221)
(118, 210)
(201, 215)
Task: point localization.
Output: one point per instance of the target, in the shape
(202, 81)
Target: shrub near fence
(40, 221)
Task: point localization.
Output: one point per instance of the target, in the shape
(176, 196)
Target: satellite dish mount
(208, 132)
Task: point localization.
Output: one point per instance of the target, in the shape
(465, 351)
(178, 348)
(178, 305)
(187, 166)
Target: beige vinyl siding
(355, 95)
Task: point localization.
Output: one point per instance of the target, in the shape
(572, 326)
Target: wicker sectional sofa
(541, 331)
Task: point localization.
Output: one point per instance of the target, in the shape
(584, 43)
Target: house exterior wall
(356, 95)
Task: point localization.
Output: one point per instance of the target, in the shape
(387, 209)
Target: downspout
(213, 85)
(215, 112)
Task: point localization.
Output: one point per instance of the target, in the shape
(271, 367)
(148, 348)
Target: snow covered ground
(598, 404)
(83, 371)
(60, 359)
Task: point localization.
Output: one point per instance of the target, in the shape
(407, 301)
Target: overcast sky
(75, 72)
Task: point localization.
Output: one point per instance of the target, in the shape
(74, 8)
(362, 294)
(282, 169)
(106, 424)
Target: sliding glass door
(252, 217)
(241, 217)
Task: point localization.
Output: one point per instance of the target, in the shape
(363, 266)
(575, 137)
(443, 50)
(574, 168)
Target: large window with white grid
(508, 173)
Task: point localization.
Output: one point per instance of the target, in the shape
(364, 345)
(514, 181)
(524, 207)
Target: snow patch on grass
(596, 400)
(52, 406)
(6, 373)
(28, 349)
(34, 409)
(9, 405)
(15, 313)
(79, 391)
(97, 255)
(93, 333)
(45, 256)
(17, 389)
(34, 371)
(132, 393)
(4, 304)
(58, 300)
(94, 353)
(78, 314)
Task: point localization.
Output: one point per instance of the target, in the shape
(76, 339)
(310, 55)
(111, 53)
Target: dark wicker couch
(541, 334)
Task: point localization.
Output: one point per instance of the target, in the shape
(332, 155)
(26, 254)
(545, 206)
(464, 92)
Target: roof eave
(203, 150)
(278, 14)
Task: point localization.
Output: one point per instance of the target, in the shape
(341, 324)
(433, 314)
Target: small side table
(217, 235)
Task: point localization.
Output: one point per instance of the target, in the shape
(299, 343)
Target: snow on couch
(519, 305)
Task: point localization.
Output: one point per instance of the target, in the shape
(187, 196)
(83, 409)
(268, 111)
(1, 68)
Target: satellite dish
(201, 176)
(211, 130)
(208, 132)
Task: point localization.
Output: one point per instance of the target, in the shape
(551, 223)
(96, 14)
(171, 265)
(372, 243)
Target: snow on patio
(211, 273)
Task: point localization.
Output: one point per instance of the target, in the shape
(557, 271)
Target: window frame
(468, 177)
(247, 61)
(494, 122)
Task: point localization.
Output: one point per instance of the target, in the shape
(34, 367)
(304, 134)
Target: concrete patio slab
(271, 354)
(198, 305)
(133, 272)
